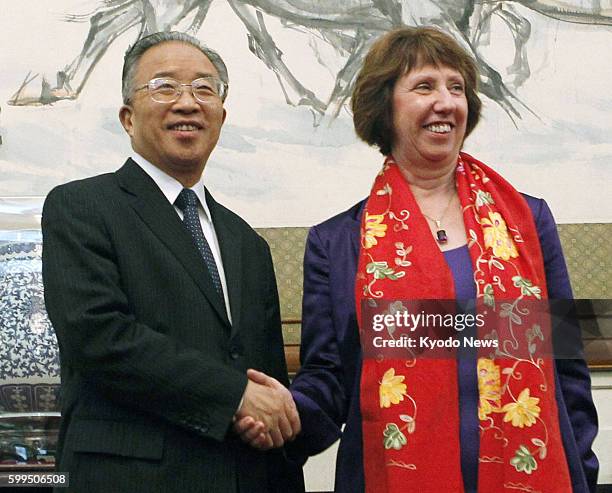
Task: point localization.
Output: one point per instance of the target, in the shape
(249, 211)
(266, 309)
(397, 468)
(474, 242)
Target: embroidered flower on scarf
(523, 461)
(496, 236)
(393, 438)
(527, 287)
(524, 411)
(392, 389)
(484, 198)
(489, 387)
(374, 227)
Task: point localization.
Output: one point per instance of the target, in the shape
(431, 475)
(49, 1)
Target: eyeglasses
(204, 89)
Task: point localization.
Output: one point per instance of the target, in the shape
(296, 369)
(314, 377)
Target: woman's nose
(444, 101)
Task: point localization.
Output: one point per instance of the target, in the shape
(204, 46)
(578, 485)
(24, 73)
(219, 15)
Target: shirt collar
(170, 186)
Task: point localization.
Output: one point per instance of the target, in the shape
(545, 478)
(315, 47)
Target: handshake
(267, 417)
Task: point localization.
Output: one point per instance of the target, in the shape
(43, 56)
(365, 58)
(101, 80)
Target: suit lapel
(160, 216)
(230, 243)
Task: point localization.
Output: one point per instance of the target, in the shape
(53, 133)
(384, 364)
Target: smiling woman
(438, 225)
(429, 115)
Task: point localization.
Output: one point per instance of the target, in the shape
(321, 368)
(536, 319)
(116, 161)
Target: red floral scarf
(410, 407)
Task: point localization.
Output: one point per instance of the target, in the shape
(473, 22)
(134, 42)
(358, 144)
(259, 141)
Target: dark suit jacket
(326, 389)
(152, 370)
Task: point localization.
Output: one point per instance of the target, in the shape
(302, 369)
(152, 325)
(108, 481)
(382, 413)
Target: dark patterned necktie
(187, 201)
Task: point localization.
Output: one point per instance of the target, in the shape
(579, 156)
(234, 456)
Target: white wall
(602, 393)
(272, 165)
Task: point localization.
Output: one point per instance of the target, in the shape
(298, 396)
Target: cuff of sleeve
(318, 431)
(217, 422)
(241, 401)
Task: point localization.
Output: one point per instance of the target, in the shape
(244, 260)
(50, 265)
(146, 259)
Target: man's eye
(204, 88)
(164, 86)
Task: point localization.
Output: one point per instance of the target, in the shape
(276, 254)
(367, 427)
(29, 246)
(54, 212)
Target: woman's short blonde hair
(393, 55)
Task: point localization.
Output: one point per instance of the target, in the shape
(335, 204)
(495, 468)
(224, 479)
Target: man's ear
(224, 115)
(125, 117)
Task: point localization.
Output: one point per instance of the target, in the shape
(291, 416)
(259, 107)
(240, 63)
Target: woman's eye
(457, 88)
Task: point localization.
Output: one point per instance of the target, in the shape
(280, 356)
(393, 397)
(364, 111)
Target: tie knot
(187, 198)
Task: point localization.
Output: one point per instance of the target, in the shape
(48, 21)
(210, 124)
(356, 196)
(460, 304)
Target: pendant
(441, 235)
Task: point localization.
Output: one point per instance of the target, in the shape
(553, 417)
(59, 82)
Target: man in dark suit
(161, 299)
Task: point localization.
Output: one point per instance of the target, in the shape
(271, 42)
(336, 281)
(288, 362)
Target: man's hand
(268, 416)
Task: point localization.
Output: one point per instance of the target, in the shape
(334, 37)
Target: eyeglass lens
(169, 90)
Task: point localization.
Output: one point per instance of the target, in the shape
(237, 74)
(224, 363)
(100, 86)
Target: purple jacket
(326, 389)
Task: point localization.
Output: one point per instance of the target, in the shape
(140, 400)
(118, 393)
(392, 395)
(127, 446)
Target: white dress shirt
(171, 188)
